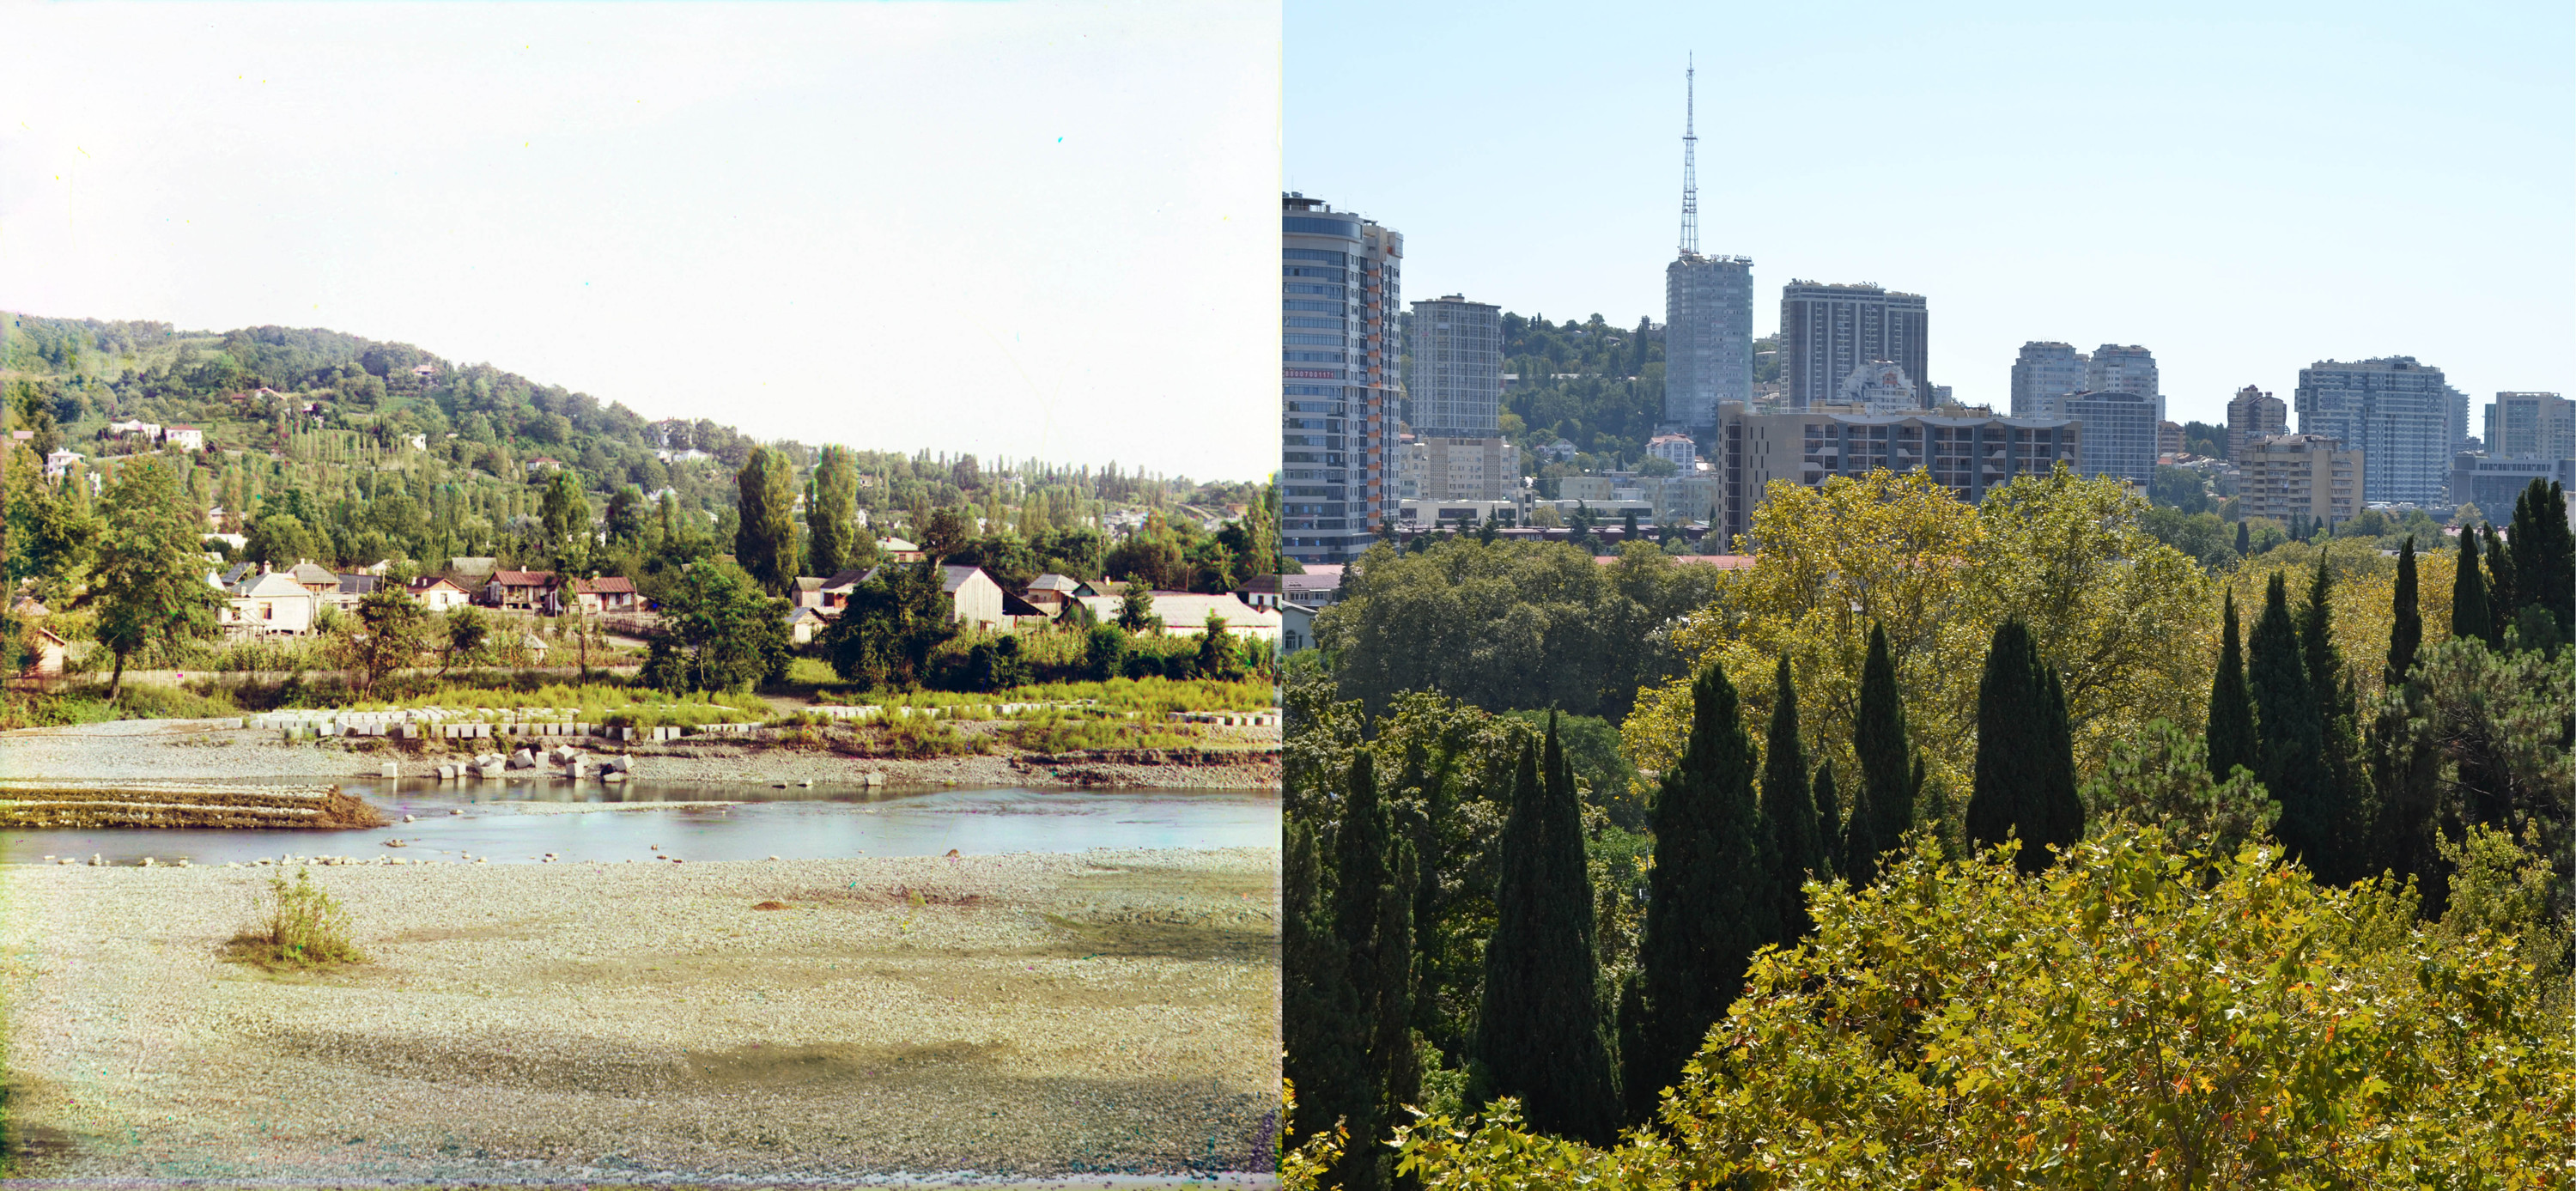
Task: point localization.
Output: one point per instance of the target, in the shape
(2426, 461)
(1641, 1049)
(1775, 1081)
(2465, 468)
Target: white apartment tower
(1708, 309)
(2114, 368)
(2043, 376)
(1457, 382)
(2403, 417)
(1339, 293)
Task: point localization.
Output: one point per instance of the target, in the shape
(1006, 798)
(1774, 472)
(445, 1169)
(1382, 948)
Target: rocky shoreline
(1108, 1014)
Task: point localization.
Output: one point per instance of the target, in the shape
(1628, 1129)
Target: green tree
(565, 516)
(1136, 609)
(765, 543)
(1712, 896)
(280, 539)
(390, 631)
(2469, 615)
(1216, 657)
(1829, 821)
(890, 627)
(831, 519)
(2544, 553)
(719, 633)
(1888, 764)
(2342, 848)
(1375, 876)
(2231, 739)
(149, 583)
(2406, 628)
(2164, 780)
(1540, 1036)
(626, 516)
(1789, 807)
(2025, 767)
(2504, 587)
(1316, 1000)
(469, 634)
(2292, 731)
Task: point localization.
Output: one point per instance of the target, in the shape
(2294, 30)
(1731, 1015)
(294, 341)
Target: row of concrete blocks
(1230, 718)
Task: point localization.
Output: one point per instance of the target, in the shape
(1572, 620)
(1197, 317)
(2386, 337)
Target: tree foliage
(719, 633)
(149, 582)
(765, 544)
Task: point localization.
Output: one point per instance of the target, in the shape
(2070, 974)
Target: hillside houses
(1185, 613)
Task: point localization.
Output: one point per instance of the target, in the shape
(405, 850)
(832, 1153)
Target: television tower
(1690, 163)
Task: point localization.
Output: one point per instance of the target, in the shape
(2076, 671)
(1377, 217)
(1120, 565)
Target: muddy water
(518, 824)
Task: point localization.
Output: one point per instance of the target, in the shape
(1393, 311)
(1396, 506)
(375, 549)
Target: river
(514, 824)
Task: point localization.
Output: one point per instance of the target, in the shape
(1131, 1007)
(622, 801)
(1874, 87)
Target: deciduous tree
(149, 582)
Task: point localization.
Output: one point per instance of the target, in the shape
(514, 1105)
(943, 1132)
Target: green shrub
(298, 925)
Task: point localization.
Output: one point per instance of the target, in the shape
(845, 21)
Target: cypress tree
(1829, 821)
(2292, 733)
(2469, 591)
(2504, 588)
(1540, 1034)
(1886, 789)
(1790, 808)
(2009, 741)
(2406, 620)
(2231, 711)
(1711, 897)
(2244, 540)
(2054, 817)
(1858, 851)
(2544, 554)
(1373, 925)
(1323, 1058)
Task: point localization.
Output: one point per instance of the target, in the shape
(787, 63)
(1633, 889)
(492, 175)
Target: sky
(2243, 188)
(1041, 229)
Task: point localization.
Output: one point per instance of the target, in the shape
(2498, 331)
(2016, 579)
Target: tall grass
(298, 925)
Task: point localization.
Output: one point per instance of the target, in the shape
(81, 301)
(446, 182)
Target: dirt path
(1031, 1015)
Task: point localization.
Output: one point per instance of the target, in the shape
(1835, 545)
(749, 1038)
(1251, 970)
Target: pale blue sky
(1017, 229)
(2243, 188)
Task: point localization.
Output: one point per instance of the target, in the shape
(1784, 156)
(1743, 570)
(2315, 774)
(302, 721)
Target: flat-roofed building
(2494, 484)
(2253, 414)
(2399, 413)
(1457, 379)
(2531, 426)
(2299, 475)
(1469, 469)
(1968, 454)
(2119, 434)
(1826, 331)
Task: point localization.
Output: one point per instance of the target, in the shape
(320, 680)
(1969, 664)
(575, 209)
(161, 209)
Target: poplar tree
(1540, 1033)
(2232, 742)
(1711, 896)
(2025, 780)
(1374, 877)
(2055, 816)
(765, 542)
(2292, 735)
(1790, 808)
(1887, 780)
(2406, 620)
(831, 517)
(2469, 591)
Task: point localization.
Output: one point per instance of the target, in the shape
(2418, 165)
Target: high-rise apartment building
(1826, 331)
(1708, 336)
(1457, 382)
(2043, 375)
(2531, 426)
(1339, 301)
(2119, 434)
(2299, 475)
(1970, 455)
(2401, 415)
(2253, 414)
(2114, 368)
(1483, 468)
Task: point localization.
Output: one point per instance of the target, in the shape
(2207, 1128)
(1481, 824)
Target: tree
(2406, 633)
(1136, 609)
(2544, 553)
(1540, 1035)
(1315, 995)
(2469, 615)
(2025, 767)
(1216, 657)
(1887, 764)
(831, 519)
(2244, 540)
(279, 539)
(890, 627)
(2165, 780)
(391, 628)
(1829, 822)
(566, 518)
(149, 582)
(1789, 807)
(1374, 878)
(2504, 587)
(50, 535)
(468, 633)
(719, 633)
(1712, 896)
(2232, 742)
(626, 516)
(2292, 732)
(765, 543)
(2340, 850)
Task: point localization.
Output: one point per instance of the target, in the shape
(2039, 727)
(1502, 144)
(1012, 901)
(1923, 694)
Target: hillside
(390, 450)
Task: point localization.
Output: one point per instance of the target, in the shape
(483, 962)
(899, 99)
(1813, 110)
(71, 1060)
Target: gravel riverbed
(1107, 1017)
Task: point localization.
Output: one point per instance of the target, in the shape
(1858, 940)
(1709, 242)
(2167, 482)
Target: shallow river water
(502, 824)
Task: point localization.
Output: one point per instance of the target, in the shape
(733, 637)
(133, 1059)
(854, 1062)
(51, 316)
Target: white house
(439, 593)
(1296, 629)
(186, 438)
(270, 603)
(1184, 614)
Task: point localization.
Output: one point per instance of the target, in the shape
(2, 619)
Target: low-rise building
(439, 593)
(2299, 475)
(608, 593)
(1676, 449)
(269, 604)
(1296, 629)
(2494, 484)
(525, 591)
(1185, 613)
(1050, 591)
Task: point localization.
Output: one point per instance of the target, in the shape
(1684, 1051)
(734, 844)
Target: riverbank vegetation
(299, 925)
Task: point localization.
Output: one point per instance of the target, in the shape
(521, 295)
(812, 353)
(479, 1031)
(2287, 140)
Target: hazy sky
(1011, 229)
(2243, 188)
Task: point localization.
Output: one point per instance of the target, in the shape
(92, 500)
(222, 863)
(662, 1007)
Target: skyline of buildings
(2400, 414)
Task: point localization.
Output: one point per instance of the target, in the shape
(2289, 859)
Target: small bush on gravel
(299, 925)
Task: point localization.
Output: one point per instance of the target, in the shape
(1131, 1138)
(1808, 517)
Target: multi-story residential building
(2253, 414)
(1676, 449)
(2531, 426)
(2299, 475)
(1339, 295)
(1412, 468)
(1970, 455)
(2401, 415)
(1682, 499)
(2168, 439)
(2494, 484)
(1457, 384)
(1708, 336)
(1828, 330)
(2114, 368)
(2043, 375)
(2119, 434)
(1469, 468)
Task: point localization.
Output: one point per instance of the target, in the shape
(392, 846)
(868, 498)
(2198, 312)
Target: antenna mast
(1690, 161)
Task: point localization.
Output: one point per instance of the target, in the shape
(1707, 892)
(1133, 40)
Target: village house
(1296, 628)
(1184, 613)
(972, 596)
(1260, 591)
(316, 579)
(270, 604)
(186, 438)
(524, 591)
(440, 593)
(59, 464)
(1050, 591)
(900, 550)
(612, 593)
(351, 590)
(804, 623)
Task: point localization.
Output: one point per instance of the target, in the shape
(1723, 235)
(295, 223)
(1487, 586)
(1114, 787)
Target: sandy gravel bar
(1097, 1018)
(192, 750)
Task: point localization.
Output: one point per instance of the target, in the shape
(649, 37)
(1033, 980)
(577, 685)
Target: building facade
(1339, 294)
(1469, 468)
(1676, 449)
(2299, 475)
(1708, 337)
(2494, 484)
(1457, 383)
(1881, 387)
(2531, 426)
(2115, 368)
(2401, 415)
(1969, 455)
(1826, 331)
(2253, 414)
(2119, 434)
(2043, 375)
